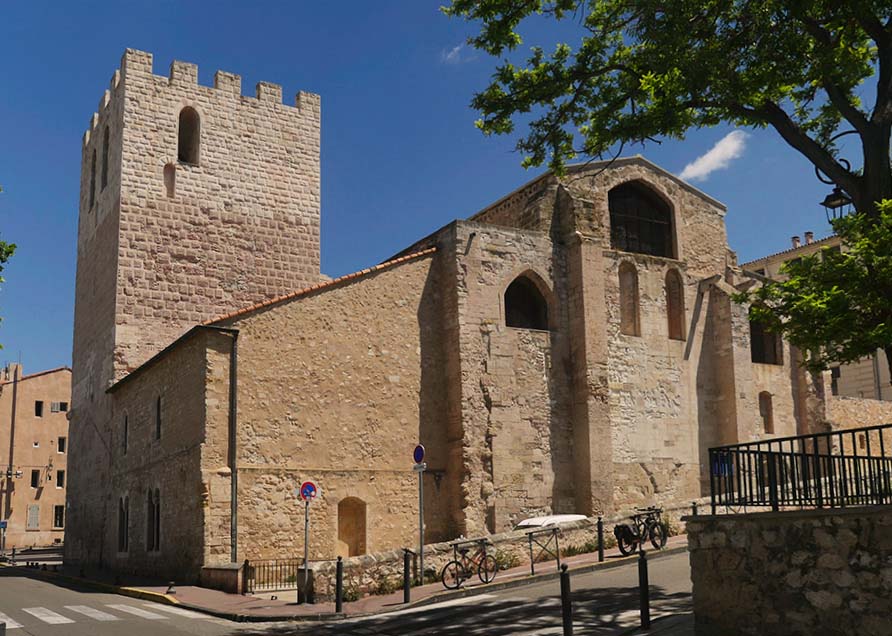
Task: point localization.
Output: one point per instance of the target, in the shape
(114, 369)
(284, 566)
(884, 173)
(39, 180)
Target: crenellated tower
(195, 201)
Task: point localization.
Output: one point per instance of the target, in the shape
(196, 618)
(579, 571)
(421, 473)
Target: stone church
(571, 348)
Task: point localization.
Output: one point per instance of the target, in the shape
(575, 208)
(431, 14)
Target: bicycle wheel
(487, 568)
(626, 543)
(452, 575)
(658, 536)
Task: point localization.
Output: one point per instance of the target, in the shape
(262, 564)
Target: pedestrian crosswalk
(17, 619)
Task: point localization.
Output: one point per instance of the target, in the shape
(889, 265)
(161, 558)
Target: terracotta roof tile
(38, 374)
(318, 286)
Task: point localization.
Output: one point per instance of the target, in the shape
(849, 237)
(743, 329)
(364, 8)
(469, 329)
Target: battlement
(136, 63)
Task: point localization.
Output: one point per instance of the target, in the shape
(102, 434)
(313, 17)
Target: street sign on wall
(308, 491)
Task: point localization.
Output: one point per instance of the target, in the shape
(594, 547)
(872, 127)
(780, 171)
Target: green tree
(836, 306)
(6, 252)
(642, 69)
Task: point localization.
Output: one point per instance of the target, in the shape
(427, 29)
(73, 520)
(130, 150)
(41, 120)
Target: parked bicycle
(647, 524)
(469, 560)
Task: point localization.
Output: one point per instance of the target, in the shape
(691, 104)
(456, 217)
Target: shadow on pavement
(595, 611)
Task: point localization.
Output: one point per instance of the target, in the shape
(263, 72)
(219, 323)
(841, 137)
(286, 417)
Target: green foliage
(350, 593)
(506, 559)
(836, 306)
(645, 69)
(6, 252)
(387, 585)
(585, 548)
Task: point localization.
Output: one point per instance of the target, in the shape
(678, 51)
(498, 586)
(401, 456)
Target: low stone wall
(383, 572)
(799, 572)
(227, 577)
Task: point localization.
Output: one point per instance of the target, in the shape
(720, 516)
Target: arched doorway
(351, 527)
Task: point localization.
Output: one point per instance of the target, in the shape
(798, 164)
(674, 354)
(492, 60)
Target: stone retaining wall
(800, 572)
(383, 572)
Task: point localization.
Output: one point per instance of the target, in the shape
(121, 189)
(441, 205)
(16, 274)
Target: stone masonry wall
(826, 572)
(171, 464)
(332, 387)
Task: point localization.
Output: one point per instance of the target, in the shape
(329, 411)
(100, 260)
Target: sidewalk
(244, 608)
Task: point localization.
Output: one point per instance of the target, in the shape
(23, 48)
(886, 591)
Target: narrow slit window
(38, 408)
(189, 139)
(158, 417)
(766, 411)
(126, 433)
(93, 180)
(629, 319)
(60, 479)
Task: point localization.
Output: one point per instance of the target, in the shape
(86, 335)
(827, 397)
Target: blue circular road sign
(308, 491)
(418, 454)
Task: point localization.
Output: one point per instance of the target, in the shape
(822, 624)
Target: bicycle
(647, 524)
(463, 566)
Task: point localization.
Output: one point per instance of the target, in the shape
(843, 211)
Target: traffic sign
(418, 454)
(3, 525)
(308, 491)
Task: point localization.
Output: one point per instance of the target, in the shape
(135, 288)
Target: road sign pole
(306, 551)
(421, 525)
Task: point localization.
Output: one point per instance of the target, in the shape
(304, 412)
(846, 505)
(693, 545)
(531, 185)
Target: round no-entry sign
(418, 454)
(308, 491)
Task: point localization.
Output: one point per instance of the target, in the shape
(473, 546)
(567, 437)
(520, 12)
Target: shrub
(507, 560)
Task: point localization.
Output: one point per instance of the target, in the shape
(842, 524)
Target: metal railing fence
(271, 574)
(821, 470)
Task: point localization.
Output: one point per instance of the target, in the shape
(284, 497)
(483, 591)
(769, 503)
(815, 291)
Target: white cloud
(718, 157)
(456, 55)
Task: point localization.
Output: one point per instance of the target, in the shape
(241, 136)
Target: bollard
(694, 507)
(2, 629)
(532, 564)
(339, 586)
(566, 605)
(407, 576)
(171, 588)
(643, 590)
(600, 539)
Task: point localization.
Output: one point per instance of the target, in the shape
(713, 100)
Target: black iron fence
(823, 470)
(271, 574)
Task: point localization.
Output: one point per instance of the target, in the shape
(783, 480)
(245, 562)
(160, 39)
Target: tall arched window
(105, 159)
(170, 180)
(123, 524)
(766, 411)
(629, 320)
(153, 521)
(525, 307)
(93, 179)
(640, 221)
(189, 139)
(675, 305)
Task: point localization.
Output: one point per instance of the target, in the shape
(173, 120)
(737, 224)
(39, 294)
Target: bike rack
(545, 548)
(468, 542)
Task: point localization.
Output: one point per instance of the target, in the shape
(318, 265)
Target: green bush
(507, 560)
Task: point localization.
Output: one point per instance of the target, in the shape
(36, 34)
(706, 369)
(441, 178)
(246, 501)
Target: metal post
(532, 565)
(407, 576)
(557, 548)
(694, 508)
(772, 482)
(566, 605)
(306, 552)
(339, 586)
(643, 590)
(421, 524)
(600, 539)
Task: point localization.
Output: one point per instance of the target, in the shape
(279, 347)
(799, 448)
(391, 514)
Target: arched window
(765, 347)
(153, 521)
(189, 139)
(351, 527)
(123, 524)
(525, 307)
(766, 411)
(93, 180)
(675, 305)
(629, 320)
(105, 159)
(640, 221)
(125, 435)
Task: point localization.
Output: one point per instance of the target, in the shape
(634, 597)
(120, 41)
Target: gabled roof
(320, 286)
(38, 374)
(819, 242)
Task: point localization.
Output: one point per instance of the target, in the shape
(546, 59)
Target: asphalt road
(604, 602)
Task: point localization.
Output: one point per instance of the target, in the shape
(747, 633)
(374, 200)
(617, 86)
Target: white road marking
(467, 600)
(137, 612)
(96, 614)
(47, 616)
(179, 611)
(10, 624)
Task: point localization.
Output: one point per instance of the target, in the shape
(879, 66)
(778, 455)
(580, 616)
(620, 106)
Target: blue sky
(400, 154)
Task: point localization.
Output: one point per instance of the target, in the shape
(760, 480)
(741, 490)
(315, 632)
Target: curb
(433, 598)
(439, 597)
